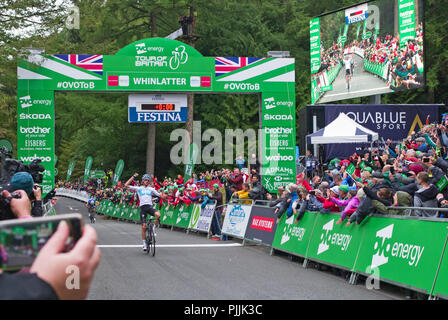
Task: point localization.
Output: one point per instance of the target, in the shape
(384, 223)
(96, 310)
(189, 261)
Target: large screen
(368, 49)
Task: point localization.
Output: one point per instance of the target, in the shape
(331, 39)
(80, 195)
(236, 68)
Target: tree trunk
(151, 143)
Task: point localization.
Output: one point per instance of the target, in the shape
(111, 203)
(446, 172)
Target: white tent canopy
(342, 130)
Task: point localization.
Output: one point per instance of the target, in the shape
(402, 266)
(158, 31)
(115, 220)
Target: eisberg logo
(338, 239)
(35, 130)
(40, 116)
(409, 252)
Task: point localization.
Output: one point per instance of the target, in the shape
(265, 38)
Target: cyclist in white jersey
(145, 194)
(348, 61)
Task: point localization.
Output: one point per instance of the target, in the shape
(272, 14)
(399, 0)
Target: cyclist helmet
(146, 176)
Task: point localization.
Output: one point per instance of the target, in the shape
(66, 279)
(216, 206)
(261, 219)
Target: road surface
(190, 266)
(363, 83)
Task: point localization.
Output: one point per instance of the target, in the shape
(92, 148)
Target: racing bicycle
(150, 236)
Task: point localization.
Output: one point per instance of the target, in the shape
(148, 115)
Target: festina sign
(356, 14)
(153, 108)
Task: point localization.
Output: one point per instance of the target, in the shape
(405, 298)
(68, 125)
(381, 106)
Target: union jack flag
(224, 65)
(91, 62)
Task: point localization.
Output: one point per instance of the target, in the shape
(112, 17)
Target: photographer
(21, 181)
(47, 276)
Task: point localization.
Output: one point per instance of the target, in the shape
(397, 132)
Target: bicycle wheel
(148, 237)
(152, 244)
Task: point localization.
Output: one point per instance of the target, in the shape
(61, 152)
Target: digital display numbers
(158, 107)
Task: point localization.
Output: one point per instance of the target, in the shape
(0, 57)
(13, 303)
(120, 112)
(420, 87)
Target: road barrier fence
(406, 251)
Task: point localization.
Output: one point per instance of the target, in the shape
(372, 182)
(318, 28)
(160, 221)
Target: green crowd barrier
(294, 238)
(409, 252)
(375, 68)
(178, 216)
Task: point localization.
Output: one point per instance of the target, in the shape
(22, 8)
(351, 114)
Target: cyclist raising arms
(348, 67)
(145, 193)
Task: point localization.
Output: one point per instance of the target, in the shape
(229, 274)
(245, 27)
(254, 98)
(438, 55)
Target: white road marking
(353, 92)
(172, 245)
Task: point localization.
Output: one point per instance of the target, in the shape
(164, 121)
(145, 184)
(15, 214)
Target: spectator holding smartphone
(47, 277)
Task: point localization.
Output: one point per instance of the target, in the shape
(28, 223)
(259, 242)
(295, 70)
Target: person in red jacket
(180, 180)
(236, 179)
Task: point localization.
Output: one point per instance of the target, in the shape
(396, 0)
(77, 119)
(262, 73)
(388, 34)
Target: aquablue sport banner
(159, 65)
(393, 122)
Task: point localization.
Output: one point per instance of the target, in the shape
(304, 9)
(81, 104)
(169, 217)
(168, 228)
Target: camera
(9, 167)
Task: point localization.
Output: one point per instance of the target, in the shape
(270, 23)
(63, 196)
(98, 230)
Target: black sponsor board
(262, 225)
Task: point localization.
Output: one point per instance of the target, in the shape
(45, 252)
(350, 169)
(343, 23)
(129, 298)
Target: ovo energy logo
(408, 252)
(336, 239)
(25, 102)
(291, 231)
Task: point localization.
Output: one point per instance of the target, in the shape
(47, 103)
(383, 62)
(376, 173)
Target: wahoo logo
(25, 102)
(279, 158)
(29, 159)
(336, 239)
(409, 252)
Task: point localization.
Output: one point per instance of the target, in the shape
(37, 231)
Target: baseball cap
(335, 189)
(216, 185)
(22, 181)
(343, 188)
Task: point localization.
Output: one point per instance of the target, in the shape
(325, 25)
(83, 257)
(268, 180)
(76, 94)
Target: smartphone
(425, 159)
(22, 239)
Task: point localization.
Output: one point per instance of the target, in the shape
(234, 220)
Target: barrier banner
(167, 215)
(182, 215)
(89, 161)
(262, 225)
(236, 220)
(70, 168)
(201, 219)
(294, 238)
(402, 250)
(335, 243)
(118, 171)
(441, 285)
